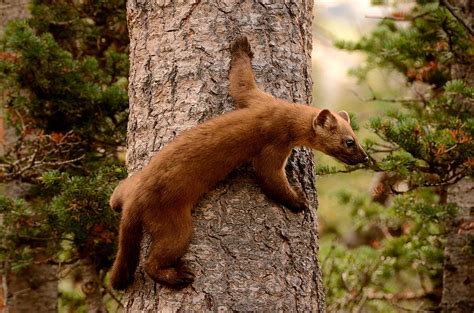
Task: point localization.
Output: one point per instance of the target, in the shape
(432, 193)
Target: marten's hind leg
(243, 88)
(169, 243)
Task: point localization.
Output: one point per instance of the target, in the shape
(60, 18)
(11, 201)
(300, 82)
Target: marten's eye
(350, 143)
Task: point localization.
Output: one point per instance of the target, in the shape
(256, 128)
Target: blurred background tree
(64, 76)
(393, 258)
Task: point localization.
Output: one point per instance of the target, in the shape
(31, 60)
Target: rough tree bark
(248, 253)
(458, 278)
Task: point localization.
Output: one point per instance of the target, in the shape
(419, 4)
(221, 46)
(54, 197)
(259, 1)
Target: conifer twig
(375, 98)
(398, 18)
(456, 15)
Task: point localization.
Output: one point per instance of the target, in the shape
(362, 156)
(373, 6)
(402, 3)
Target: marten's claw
(184, 275)
(184, 279)
(299, 206)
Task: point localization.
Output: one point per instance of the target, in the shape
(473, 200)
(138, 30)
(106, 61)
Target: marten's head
(335, 137)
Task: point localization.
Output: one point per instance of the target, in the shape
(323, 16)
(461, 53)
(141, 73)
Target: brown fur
(160, 197)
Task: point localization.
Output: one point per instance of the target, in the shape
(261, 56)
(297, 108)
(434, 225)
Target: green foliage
(348, 274)
(87, 220)
(19, 225)
(90, 28)
(71, 302)
(64, 83)
(423, 52)
(354, 121)
(423, 147)
(78, 213)
(404, 248)
(64, 93)
(430, 142)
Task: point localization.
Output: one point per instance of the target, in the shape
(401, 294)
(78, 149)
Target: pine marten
(160, 197)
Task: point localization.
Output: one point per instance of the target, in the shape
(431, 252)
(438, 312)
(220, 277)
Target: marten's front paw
(174, 277)
(300, 205)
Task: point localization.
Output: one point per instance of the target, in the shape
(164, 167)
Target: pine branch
(391, 18)
(397, 296)
(398, 19)
(453, 11)
(375, 98)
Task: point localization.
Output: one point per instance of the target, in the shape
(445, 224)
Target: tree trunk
(248, 253)
(12, 9)
(33, 290)
(91, 287)
(458, 277)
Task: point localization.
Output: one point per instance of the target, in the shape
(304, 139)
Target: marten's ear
(345, 116)
(324, 119)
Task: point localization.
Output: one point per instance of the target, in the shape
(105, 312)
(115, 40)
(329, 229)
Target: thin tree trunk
(33, 290)
(12, 9)
(458, 277)
(248, 253)
(92, 288)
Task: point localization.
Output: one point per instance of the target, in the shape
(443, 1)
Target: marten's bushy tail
(243, 88)
(241, 75)
(241, 44)
(128, 253)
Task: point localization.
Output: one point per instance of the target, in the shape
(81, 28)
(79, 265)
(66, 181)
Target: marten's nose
(366, 159)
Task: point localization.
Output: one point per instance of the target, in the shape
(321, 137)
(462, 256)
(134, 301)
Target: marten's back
(198, 158)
